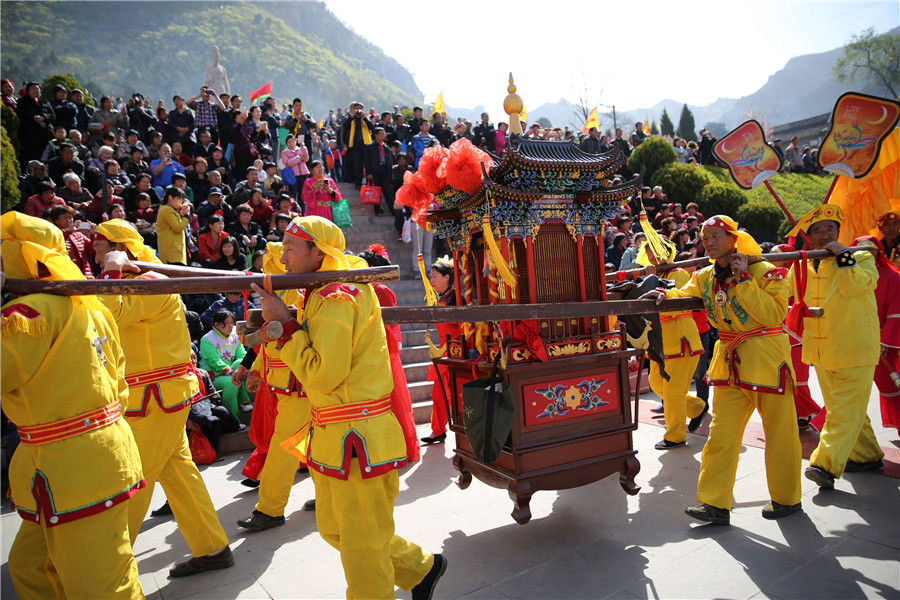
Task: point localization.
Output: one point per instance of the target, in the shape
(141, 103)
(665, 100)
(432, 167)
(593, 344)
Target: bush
(681, 183)
(762, 219)
(720, 199)
(10, 122)
(652, 155)
(69, 82)
(9, 173)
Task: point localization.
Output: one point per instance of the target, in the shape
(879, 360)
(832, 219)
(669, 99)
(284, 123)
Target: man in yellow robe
(355, 443)
(157, 347)
(277, 475)
(844, 346)
(63, 385)
(682, 349)
(750, 369)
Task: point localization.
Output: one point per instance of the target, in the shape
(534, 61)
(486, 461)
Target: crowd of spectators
(214, 176)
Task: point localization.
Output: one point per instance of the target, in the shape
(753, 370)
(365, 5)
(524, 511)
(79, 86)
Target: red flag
(750, 160)
(265, 90)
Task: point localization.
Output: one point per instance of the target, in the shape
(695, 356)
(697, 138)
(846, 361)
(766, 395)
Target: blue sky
(631, 54)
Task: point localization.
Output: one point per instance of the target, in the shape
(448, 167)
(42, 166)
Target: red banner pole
(790, 217)
(830, 189)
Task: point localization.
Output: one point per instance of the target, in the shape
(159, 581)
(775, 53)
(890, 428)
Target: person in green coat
(221, 353)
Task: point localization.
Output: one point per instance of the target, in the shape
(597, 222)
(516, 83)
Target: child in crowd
(53, 146)
(220, 353)
(281, 223)
(334, 160)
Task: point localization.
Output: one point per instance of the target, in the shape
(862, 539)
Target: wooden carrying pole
(197, 285)
(703, 261)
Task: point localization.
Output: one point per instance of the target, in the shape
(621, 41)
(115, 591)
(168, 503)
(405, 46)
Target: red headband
(297, 230)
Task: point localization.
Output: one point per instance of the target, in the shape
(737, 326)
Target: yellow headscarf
(272, 259)
(29, 243)
(120, 231)
(745, 242)
(825, 212)
(328, 238)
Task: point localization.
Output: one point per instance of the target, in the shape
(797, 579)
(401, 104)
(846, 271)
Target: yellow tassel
(434, 351)
(502, 267)
(16, 323)
(662, 249)
(430, 295)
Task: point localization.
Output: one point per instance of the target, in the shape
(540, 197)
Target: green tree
(681, 183)
(686, 126)
(10, 121)
(873, 58)
(652, 155)
(545, 122)
(720, 199)
(9, 173)
(666, 127)
(654, 130)
(67, 81)
(762, 220)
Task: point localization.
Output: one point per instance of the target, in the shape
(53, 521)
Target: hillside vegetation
(162, 48)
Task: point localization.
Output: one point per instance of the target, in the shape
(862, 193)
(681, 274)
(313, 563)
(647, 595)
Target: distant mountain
(163, 48)
(804, 87)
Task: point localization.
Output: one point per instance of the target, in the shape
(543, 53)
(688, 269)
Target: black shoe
(199, 564)
(310, 505)
(435, 439)
(659, 409)
(695, 423)
(710, 514)
(667, 445)
(773, 510)
(250, 483)
(803, 424)
(163, 511)
(260, 521)
(857, 467)
(303, 469)
(425, 589)
(823, 478)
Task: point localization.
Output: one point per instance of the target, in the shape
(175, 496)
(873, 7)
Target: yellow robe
(340, 354)
(155, 339)
(60, 360)
(682, 348)
(170, 240)
(277, 475)
(844, 346)
(764, 363)
(760, 378)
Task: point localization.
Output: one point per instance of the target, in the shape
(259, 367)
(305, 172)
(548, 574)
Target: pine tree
(666, 127)
(654, 130)
(686, 125)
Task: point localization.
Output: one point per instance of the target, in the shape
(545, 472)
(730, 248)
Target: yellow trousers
(731, 408)
(166, 458)
(87, 558)
(847, 433)
(277, 475)
(357, 518)
(678, 402)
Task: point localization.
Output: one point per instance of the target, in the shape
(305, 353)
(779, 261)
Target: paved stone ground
(589, 542)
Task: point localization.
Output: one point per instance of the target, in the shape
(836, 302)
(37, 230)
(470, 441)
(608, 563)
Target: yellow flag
(523, 117)
(592, 121)
(646, 126)
(439, 104)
